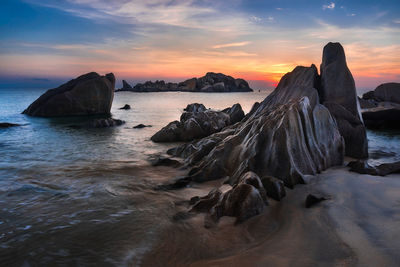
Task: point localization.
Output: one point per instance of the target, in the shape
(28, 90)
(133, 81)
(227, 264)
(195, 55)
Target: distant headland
(211, 82)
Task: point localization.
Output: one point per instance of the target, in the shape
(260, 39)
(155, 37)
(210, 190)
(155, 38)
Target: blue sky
(173, 40)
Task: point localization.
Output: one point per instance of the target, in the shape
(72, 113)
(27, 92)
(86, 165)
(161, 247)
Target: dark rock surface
(363, 167)
(88, 94)
(163, 161)
(312, 200)
(381, 107)
(211, 82)
(245, 200)
(140, 126)
(195, 107)
(198, 123)
(338, 94)
(7, 125)
(275, 188)
(126, 107)
(389, 92)
(382, 118)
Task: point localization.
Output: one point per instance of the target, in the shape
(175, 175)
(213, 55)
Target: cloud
(330, 6)
(397, 21)
(231, 45)
(351, 15)
(270, 19)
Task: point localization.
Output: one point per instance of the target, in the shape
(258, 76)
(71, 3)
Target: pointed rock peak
(333, 52)
(304, 76)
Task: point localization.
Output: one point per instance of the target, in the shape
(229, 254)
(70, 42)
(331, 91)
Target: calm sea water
(82, 196)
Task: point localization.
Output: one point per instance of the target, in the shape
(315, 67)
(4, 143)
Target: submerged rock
(198, 122)
(338, 94)
(88, 94)
(126, 107)
(312, 200)
(140, 126)
(8, 125)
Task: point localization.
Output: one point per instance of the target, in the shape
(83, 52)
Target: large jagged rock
(198, 122)
(211, 82)
(88, 94)
(338, 94)
(286, 141)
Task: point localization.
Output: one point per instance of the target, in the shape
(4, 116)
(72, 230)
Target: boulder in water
(88, 94)
(198, 122)
(126, 107)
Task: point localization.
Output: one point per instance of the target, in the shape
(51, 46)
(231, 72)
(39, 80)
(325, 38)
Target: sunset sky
(176, 40)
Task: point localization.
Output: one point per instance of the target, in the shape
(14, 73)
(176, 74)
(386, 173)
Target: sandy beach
(357, 226)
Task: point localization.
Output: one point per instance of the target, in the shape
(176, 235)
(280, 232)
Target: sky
(42, 41)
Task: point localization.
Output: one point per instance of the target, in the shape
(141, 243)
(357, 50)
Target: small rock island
(211, 82)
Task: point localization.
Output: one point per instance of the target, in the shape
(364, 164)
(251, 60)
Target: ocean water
(78, 196)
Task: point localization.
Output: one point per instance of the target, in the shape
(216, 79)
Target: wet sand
(357, 226)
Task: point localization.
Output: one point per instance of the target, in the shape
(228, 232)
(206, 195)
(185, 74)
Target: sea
(79, 196)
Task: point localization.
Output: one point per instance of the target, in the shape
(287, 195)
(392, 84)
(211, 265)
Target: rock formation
(211, 82)
(362, 167)
(338, 94)
(381, 107)
(126, 107)
(88, 94)
(246, 199)
(198, 122)
(301, 128)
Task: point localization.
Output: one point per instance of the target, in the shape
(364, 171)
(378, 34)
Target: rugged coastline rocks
(105, 123)
(211, 82)
(198, 122)
(381, 107)
(88, 94)
(338, 94)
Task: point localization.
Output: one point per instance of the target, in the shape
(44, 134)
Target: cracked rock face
(88, 94)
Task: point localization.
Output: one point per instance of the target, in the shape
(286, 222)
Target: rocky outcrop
(211, 82)
(198, 122)
(382, 117)
(362, 167)
(245, 200)
(284, 141)
(125, 86)
(381, 107)
(338, 94)
(386, 92)
(88, 94)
